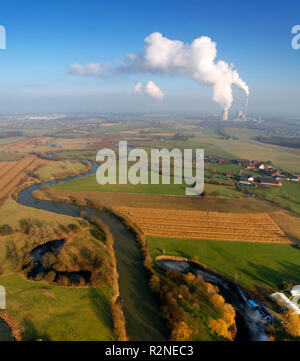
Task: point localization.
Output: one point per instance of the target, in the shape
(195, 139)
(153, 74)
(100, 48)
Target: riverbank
(13, 324)
(142, 314)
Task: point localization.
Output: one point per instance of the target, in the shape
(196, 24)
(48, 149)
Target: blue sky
(44, 38)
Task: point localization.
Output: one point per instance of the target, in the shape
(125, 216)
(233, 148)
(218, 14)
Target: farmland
(55, 313)
(60, 168)
(287, 196)
(90, 184)
(253, 265)
(12, 172)
(206, 225)
(50, 311)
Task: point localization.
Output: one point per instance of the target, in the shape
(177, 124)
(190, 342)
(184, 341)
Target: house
(251, 166)
(275, 173)
(271, 182)
(246, 180)
(261, 167)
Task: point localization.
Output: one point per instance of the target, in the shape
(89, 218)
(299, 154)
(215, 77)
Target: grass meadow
(252, 264)
(57, 313)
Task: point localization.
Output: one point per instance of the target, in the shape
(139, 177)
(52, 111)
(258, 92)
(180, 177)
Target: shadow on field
(31, 333)
(100, 306)
(273, 277)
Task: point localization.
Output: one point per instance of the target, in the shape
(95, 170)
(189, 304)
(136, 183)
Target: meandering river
(143, 317)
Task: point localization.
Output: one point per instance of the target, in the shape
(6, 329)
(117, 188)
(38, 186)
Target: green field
(223, 168)
(12, 213)
(287, 196)
(254, 264)
(48, 311)
(57, 313)
(90, 184)
(4, 141)
(78, 154)
(59, 168)
(243, 147)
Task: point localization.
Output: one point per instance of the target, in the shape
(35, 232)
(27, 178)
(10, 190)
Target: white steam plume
(150, 89)
(196, 60)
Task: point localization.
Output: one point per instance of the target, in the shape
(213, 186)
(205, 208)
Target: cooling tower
(225, 115)
(245, 109)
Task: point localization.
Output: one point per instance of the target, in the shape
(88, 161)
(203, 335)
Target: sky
(44, 39)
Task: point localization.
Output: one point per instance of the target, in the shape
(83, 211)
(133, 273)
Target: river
(144, 321)
(143, 316)
(5, 332)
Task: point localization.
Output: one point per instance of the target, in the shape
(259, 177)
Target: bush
(25, 224)
(73, 227)
(49, 260)
(181, 332)
(5, 229)
(293, 324)
(63, 280)
(50, 276)
(119, 322)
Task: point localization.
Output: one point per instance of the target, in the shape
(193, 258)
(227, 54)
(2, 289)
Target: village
(255, 173)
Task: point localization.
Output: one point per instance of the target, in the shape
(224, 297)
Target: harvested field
(11, 173)
(251, 227)
(130, 132)
(24, 144)
(108, 124)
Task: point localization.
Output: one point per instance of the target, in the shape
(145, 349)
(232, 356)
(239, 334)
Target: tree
(190, 277)
(50, 276)
(181, 332)
(63, 280)
(293, 324)
(219, 327)
(48, 260)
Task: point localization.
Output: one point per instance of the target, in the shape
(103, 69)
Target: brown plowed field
(12, 172)
(252, 227)
(23, 144)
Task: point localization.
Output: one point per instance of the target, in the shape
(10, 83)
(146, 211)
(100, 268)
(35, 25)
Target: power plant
(241, 115)
(245, 109)
(225, 115)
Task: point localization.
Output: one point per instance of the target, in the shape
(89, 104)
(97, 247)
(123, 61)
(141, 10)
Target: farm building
(246, 180)
(284, 302)
(295, 291)
(271, 182)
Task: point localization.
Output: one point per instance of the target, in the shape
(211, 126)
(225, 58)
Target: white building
(284, 302)
(295, 291)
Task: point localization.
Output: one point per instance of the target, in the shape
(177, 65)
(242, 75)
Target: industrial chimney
(245, 109)
(225, 115)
